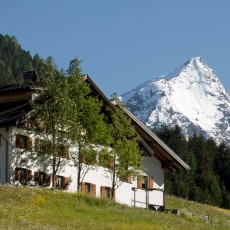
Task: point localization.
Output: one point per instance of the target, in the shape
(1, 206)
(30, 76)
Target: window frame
(41, 178)
(23, 141)
(106, 192)
(23, 175)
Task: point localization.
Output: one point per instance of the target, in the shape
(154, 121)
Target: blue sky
(123, 43)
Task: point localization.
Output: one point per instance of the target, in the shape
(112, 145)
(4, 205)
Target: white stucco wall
(97, 175)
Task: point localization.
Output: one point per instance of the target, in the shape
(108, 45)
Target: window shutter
(29, 143)
(102, 191)
(94, 190)
(17, 141)
(36, 176)
(150, 182)
(83, 187)
(48, 178)
(114, 195)
(29, 174)
(55, 181)
(129, 179)
(17, 173)
(66, 183)
(139, 182)
(66, 152)
(37, 144)
(111, 164)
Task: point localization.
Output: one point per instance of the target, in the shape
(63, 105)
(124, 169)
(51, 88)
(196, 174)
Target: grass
(35, 208)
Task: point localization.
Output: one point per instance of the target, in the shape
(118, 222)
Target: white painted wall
(98, 175)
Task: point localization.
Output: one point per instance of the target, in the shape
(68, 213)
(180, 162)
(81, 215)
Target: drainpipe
(134, 190)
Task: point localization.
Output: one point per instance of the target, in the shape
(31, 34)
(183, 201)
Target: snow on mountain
(191, 96)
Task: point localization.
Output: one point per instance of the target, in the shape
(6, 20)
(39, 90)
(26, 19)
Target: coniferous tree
(14, 61)
(205, 181)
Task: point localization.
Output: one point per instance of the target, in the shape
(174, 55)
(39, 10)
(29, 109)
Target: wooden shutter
(114, 195)
(66, 152)
(29, 175)
(83, 187)
(94, 190)
(37, 144)
(17, 173)
(129, 179)
(102, 191)
(36, 176)
(18, 141)
(139, 182)
(150, 182)
(55, 183)
(111, 164)
(48, 178)
(29, 143)
(66, 183)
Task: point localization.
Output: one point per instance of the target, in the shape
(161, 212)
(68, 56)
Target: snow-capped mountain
(192, 97)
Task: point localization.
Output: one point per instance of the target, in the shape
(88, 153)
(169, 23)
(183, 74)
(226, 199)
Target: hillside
(35, 208)
(191, 97)
(14, 61)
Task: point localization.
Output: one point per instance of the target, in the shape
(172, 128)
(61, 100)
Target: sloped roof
(13, 112)
(150, 141)
(14, 99)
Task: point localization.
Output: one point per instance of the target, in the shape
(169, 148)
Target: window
(145, 182)
(42, 146)
(61, 182)
(40, 178)
(88, 188)
(63, 151)
(23, 142)
(106, 160)
(90, 157)
(106, 192)
(23, 175)
(127, 179)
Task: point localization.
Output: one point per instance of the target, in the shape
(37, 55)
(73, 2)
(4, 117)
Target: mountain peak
(191, 96)
(196, 60)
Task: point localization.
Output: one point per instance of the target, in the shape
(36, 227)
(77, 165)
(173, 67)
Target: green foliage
(86, 125)
(51, 111)
(125, 153)
(35, 208)
(14, 61)
(207, 181)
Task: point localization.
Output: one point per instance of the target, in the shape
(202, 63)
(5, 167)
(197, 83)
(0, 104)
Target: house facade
(20, 165)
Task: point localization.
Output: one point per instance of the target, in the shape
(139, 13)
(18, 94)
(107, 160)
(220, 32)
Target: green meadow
(36, 208)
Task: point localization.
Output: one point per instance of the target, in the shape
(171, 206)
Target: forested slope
(14, 61)
(208, 180)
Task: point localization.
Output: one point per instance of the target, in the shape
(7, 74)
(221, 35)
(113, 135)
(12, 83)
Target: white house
(19, 146)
